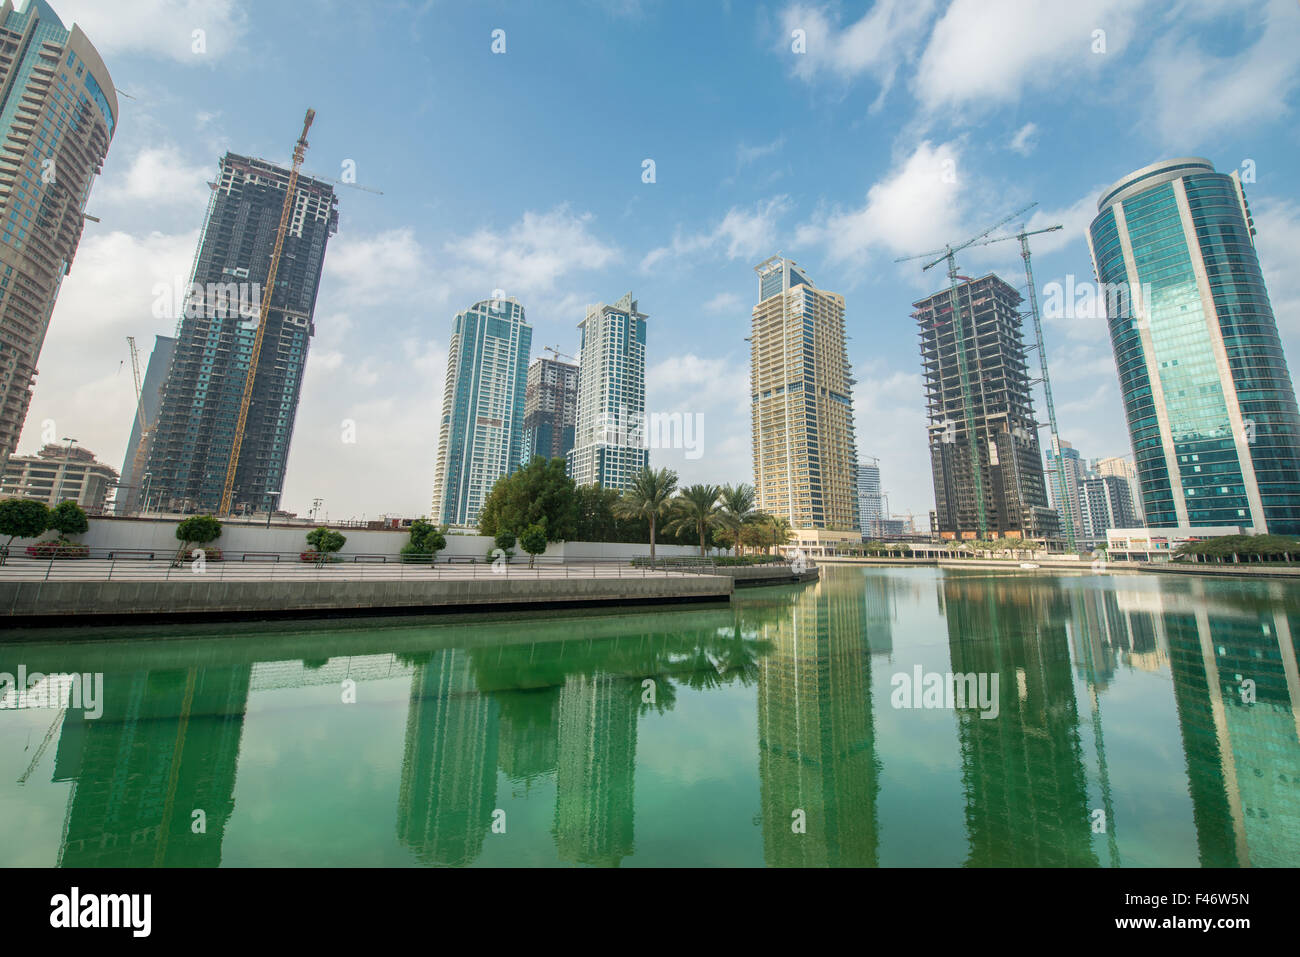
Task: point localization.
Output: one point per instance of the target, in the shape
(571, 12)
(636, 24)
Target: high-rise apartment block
(1122, 468)
(610, 445)
(550, 409)
(995, 383)
(869, 497)
(481, 435)
(1106, 502)
(805, 459)
(1210, 404)
(58, 112)
(1063, 490)
(190, 447)
(131, 491)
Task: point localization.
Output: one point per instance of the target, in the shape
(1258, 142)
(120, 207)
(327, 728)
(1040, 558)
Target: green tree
(696, 509)
(68, 518)
(426, 541)
(648, 497)
(21, 518)
(196, 530)
(737, 506)
(325, 542)
(534, 542)
(539, 493)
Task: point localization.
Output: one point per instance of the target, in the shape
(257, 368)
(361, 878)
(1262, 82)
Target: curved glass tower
(1210, 404)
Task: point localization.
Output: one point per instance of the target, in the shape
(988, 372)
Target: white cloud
(724, 302)
(717, 390)
(85, 382)
(889, 419)
(745, 155)
(742, 233)
(163, 28)
(917, 206)
(876, 44)
(533, 256)
(1025, 139)
(1196, 94)
(1278, 225)
(988, 51)
(158, 176)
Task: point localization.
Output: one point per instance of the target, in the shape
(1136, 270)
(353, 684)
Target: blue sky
(903, 126)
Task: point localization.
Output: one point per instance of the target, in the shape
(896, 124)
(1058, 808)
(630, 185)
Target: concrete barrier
(106, 602)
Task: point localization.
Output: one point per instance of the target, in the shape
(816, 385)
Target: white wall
(159, 536)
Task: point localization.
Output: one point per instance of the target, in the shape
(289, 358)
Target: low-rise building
(57, 473)
(1159, 544)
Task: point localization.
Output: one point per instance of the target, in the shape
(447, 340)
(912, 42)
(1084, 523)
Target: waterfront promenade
(37, 593)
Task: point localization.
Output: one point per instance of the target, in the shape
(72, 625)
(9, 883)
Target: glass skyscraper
(481, 436)
(58, 111)
(1210, 404)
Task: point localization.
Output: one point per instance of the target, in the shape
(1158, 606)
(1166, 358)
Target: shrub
(58, 549)
(68, 518)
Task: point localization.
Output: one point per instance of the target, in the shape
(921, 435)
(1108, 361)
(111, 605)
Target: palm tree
(737, 507)
(648, 497)
(781, 530)
(696, 509)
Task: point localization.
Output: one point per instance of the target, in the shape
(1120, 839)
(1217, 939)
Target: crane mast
(141, 447)
(299, 154)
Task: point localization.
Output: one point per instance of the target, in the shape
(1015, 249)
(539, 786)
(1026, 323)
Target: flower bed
(318, 557)
(209, 554)
(48, 550)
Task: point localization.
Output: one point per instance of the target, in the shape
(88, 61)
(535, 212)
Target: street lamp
(269, 495)
(148, 477)
(67, 460)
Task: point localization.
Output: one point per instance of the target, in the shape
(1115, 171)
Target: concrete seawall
(62, 603)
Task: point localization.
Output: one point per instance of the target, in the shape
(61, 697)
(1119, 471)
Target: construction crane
(555, 351)
(949, 255)
(237, 442)
(141, 447)
(1061, 496)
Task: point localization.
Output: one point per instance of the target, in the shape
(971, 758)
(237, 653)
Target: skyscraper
(1105, 502)
(869, 498)
(805, 463)
(481, 437)
(1123, 468)
(1073, 472)
(1210, 404)
(189, 449)
(610, 445)
(1010, 462)
(130, 494)
(58, 111)
(550, 409)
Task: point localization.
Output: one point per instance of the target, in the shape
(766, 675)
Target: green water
(1141, 720)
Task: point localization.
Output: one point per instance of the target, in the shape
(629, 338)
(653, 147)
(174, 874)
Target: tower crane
(142, 447)
(1061, 495)
(556, 353)
(948, 254)
(241, 423)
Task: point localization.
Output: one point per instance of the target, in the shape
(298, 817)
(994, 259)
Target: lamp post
(67, 460)
(269, 495)
(144, 497)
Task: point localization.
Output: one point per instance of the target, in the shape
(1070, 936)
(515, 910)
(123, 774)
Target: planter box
(48, 550)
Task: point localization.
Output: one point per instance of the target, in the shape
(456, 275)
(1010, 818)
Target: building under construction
(550, 409)
(191, 444)
(1009, 473)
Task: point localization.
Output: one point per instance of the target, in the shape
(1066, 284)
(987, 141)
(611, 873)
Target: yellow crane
(299, 154)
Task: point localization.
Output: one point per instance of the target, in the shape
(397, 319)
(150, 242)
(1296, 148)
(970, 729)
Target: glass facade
(1210, 405)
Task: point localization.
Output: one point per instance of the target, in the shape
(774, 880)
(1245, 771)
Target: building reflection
(166, 746)
(819, 776)
(1022, 771)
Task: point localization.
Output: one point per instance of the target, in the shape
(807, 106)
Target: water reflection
(553, 711)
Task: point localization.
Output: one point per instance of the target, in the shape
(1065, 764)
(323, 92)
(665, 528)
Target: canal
(1099, 720)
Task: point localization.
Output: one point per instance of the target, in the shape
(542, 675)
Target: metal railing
(152, 565)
